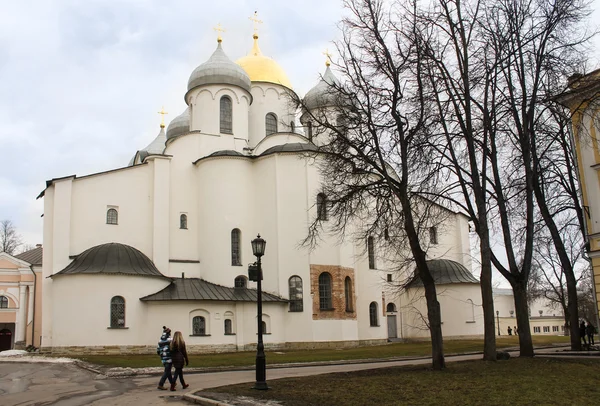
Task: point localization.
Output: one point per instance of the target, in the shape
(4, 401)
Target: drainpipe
(33, 310)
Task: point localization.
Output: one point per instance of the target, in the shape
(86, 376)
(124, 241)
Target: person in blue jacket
(164, 351)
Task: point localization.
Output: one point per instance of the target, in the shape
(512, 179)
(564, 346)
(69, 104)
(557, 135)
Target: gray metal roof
(293, 147)
(199, 289)
(219, 69)
(112, 259)
(322, 95)
(445, 271)
(33, 257)
(179, 125)
(157, 146)
(226, 152)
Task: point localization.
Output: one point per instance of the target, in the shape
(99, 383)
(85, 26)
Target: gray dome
(179, 125)
(321, 95)
(445, 271)
(157, 146)
(219, 70)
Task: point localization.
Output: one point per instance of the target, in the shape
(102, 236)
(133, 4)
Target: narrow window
(198, 326)
(117, 312)
(183, 221)
(310, 133)
(348, 293)
(271, 123)
(296, 295)
(433, 235)
(264, 327)
(325, 302)
(373, 318)
(292, 126)
(3, 302)
(228, 330)
(536, 329)
(386, 234)
(112, 216)
(390, 308)
(226, 115)
(240, 282)
(371, 250)
(322, 207)
(236, 257)
(389, 277)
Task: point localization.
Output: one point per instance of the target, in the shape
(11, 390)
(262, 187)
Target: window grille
(236, 257)
(183, 221)
(373, 317)
(199, 326)
(348, 293)
(112, 216)
(117, 312)
(371, 250)
(391, 307)
(240, 282)
(228, 330)
(226, 115)
(321, 207)
(325, 302)
(296, 296)
(270, 124)
(3, 302)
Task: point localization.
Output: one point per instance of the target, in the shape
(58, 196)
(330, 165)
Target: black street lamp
(258, 249)
(498, 318)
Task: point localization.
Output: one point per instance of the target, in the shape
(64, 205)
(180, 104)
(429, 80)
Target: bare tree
(10, 240)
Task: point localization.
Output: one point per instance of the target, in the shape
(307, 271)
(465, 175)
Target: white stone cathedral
(166, 239)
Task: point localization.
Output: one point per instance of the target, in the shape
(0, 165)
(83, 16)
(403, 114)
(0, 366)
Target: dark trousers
(591, 339)
(178, 373)
(582, 337)
(166, 375)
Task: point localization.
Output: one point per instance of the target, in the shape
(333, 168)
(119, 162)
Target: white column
(21, 325)
(161, 199)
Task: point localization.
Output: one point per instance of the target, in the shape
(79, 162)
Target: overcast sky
(81, 82)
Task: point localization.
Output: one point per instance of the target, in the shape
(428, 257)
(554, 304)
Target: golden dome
(263, 69)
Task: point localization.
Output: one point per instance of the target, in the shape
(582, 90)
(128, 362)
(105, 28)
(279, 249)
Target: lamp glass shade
(258, 246)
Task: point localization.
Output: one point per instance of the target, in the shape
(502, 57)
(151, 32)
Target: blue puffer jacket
(163, 348)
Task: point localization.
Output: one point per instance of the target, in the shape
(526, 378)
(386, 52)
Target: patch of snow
(12, 353)
(22, 356)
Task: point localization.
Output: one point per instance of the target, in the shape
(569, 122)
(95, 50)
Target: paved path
(66, 384)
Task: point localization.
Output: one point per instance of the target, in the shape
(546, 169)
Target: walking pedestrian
(582, 331)
(179, 355)
(164, 351)
(509, 331)
(590, 330)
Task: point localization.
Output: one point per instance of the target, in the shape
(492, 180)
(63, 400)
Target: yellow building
(583, 100)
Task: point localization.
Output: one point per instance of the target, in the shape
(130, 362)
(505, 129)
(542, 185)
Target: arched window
(117, 312)
(433, 235)
(199, 326)
(325, 301)
(348, 293)
(373, 316)
(321, 207)
(236, 256)
(226, 115)
(264, 327)
(270, 123)
(241, 282)
(292, 126)
(390, 308)
(469, 301)
(112, 216)
(371, 250)
(183, 221)
(228, 328)
(296, 296)
(3, 302)
(310, 132)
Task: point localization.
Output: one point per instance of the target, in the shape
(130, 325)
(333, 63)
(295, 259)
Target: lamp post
(498, 319)
(258, 249)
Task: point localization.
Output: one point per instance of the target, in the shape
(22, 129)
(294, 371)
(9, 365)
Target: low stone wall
(80, 351)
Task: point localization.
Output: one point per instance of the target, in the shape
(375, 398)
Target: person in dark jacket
(582, 331)
(590, 330)
(164, 351)
(179, 355)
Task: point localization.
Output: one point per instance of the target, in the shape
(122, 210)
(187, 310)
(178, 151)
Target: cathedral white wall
(131, 190)
(91, 295)
(269, 98)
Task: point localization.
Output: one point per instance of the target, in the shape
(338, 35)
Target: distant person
(582, 331)
(509, 331)
(590, 330)
(516, 331)
(164, 351)
(179, 355)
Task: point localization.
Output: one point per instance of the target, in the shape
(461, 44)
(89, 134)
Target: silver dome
(157, 146)
(179, 125)
(322, 94)
(219, 69)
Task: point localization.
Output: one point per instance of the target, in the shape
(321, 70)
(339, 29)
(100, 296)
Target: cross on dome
(256, 21)
(328, 56)
(162, 113)
(219, 30)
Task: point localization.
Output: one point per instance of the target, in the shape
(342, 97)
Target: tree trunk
(487, 300)
(435, 326)
(573, 312)
(522, 311)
